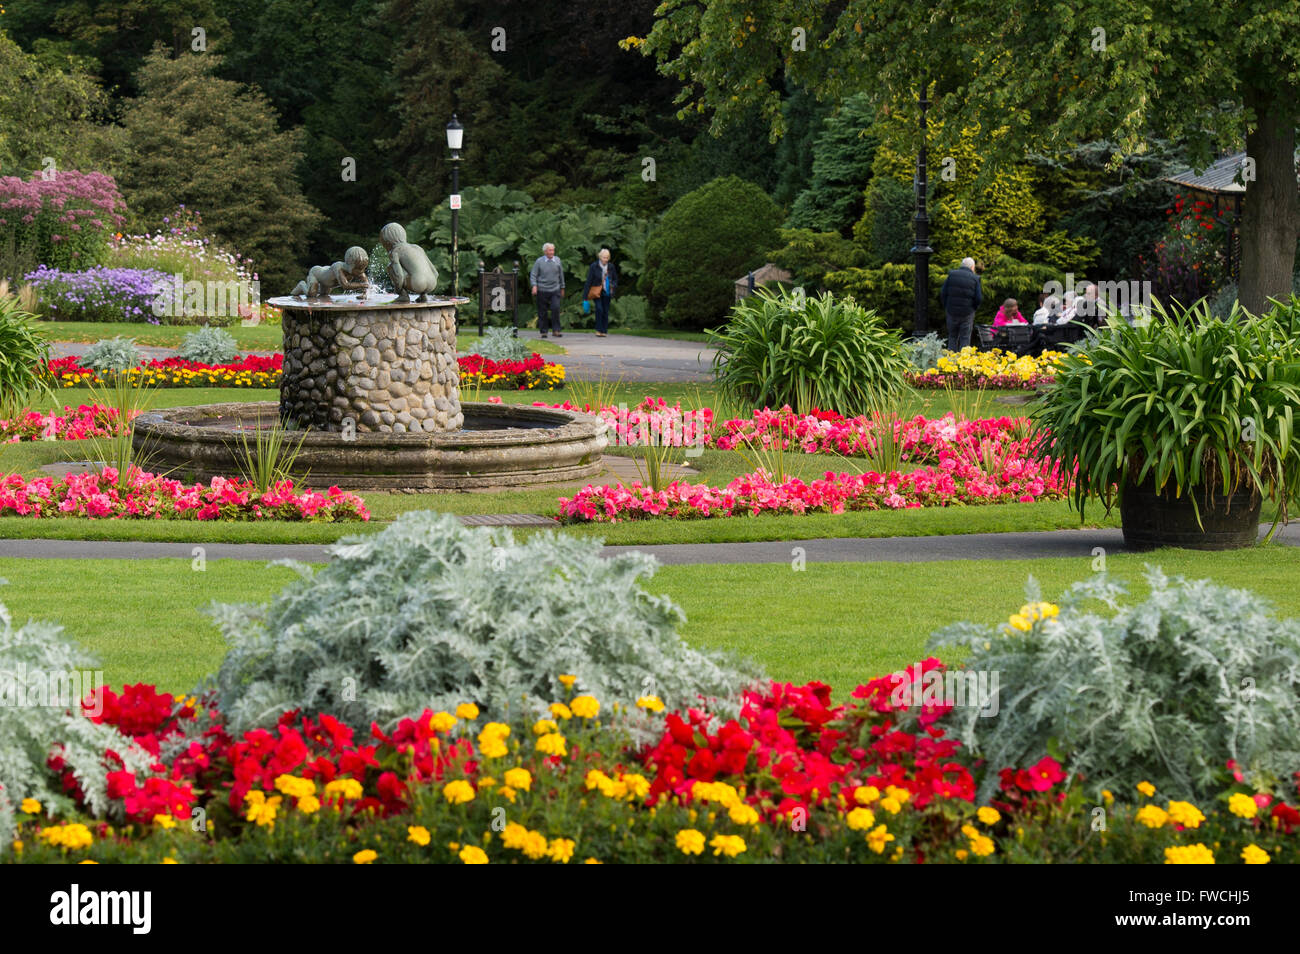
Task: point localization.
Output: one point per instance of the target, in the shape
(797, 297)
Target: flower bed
(76, 424)
(253, 371)
(98, 294)
(790, 778)
(992, 370)
(150, 497)
(533, 374)
(249, 371)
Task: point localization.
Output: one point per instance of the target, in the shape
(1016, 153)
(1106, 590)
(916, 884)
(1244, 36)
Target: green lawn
(249, 338)
(842, 623)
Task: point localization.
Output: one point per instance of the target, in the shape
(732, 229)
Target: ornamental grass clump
(1167, 690)
(1182, 399)
(823, 352)
(429, 614)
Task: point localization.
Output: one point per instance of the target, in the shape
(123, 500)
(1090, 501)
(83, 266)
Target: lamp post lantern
(921, 250)
(455, 137)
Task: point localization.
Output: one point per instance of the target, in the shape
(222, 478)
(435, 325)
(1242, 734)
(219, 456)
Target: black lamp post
(922, 249)
(455, 136)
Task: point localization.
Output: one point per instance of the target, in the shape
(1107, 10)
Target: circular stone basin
(501, 445)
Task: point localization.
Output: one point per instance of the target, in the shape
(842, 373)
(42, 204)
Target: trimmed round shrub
(209, 346)
(112, 354)
(823, 352)
(706, 240)
(429, 613)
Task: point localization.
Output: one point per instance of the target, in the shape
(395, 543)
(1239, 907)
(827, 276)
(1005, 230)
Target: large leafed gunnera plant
(1192, 402)
(1166, 690)
(429, 613)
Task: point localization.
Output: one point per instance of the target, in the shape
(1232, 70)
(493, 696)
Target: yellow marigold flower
(891, 805)
(1255, 855)
(592, 861)
(560, 711)
(866, 794)
(1185, 814)
(262, 812)
(519, 778)
(1107, 797)
(690, 842)
(31, 806)
(1020, 623)
(1189, 855)
(513, 835)
(1153, 816)
(567, 681)
(981, 846)
(1146, 788)
(962, 854)
(473, 855)
(970, 831)
(742, 814)
(729, 845)
(534, 845)
(638, 786)
(295, 787)
(418, 834)
(493, 748)
(308, 804)
(989, 816)
(364, 857)
(467, 711)
(164, 821)
(170, 861)
(598, 779)
(349, 788)
(650, 703)
(88, 861)
(458, 791)
(442, 722)
(900, 795)
(18, 845)
(543, 726)
(552, 744)
(860, 819)
(560, 850)
(1243, 806)
(585, 707)
(878, 838)
(508, 792)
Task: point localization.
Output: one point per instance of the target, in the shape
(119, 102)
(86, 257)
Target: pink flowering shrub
(84, 422)
(150, 497)
(64, 221)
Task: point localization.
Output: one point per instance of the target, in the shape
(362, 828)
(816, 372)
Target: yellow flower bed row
(990, 364)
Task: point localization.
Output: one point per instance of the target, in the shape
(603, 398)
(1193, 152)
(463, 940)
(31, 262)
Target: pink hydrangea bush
(150, 497)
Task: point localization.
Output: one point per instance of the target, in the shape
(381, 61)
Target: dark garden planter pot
(1153, 519)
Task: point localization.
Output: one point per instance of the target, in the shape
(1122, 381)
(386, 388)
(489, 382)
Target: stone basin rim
(187, 421)
(375, 303)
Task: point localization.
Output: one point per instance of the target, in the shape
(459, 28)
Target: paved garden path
(618, 357)
(1078, 544)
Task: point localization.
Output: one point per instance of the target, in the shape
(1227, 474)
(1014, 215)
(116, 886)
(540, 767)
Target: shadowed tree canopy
(1030, 75)
(212, 144)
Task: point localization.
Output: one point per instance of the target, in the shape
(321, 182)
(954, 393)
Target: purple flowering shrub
(64, 221)
(98, 294)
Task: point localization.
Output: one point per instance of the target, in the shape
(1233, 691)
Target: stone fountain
(372, 382)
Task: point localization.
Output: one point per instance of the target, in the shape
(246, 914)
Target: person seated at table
(1009, 314)
(1049, 312)
(1069, 308)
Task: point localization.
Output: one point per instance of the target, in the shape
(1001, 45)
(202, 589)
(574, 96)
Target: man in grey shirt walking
(547, 279)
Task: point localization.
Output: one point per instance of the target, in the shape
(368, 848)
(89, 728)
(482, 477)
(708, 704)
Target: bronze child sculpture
(408, 266)
(348, 274)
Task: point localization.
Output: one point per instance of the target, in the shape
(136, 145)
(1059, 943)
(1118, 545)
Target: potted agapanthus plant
(1185, 421)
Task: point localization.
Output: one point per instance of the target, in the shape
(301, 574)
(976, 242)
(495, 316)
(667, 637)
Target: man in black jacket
(960, 295)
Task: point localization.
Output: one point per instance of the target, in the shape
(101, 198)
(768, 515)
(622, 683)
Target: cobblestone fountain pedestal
(371, 394)
(388, 367)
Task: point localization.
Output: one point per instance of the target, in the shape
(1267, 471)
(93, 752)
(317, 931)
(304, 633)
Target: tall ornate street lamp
(921, 249)
(455, 136)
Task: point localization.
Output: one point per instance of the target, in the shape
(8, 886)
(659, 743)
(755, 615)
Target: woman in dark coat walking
(602, 279)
